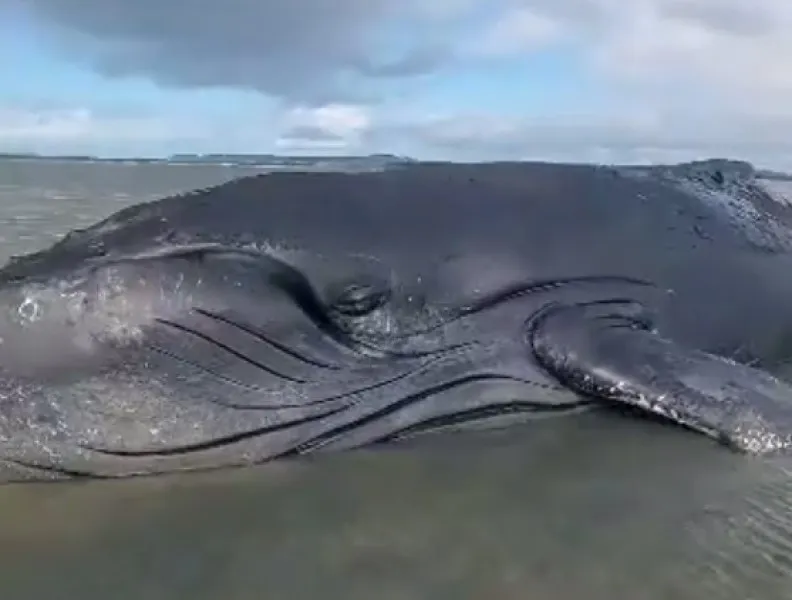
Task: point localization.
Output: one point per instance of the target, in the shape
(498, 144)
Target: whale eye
(360, 297)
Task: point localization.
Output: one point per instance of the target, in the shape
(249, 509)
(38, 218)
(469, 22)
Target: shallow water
(595, 506)
(39, 202)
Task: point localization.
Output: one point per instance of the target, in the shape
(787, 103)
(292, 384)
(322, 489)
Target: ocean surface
(598, 506)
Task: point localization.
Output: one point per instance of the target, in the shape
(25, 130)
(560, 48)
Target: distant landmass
(371, 161)
(364, 162)
(774, 175)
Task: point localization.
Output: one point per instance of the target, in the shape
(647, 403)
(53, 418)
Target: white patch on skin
(29, 310)
(755, 224)
(109, 306)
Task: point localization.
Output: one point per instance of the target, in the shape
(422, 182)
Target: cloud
(307, 51)
(731, 50)
(69, 130)
(65, 126)
(333, 127)
(330, 127)
(517, 31)
(680, 78)
(635, 137)
(328, 50)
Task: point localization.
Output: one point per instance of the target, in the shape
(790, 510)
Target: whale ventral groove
(296, 313)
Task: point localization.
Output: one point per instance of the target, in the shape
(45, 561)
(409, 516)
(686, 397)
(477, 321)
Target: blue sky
(463, 79)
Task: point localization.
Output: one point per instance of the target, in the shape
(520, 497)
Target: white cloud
(665, 49)
(686, 78)
(340, 119)
(518, 31)
(734, 50)
(81, 131)
(331, 127)
(80, 125)
(643, 134)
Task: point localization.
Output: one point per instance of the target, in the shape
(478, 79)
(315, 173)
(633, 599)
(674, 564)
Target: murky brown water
(597, 506)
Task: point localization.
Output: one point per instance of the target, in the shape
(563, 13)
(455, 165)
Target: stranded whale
(295, 313)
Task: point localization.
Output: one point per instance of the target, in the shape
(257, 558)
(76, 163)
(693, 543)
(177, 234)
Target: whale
(292, 314)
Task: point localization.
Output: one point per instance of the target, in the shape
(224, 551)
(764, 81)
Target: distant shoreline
(231, 160)
(274, 161)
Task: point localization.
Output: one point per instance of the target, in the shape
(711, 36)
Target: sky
(570, 80)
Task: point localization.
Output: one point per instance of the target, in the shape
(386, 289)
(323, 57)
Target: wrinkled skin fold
(291, 314)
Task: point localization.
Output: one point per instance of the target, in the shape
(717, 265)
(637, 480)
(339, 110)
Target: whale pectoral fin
(616, 359)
